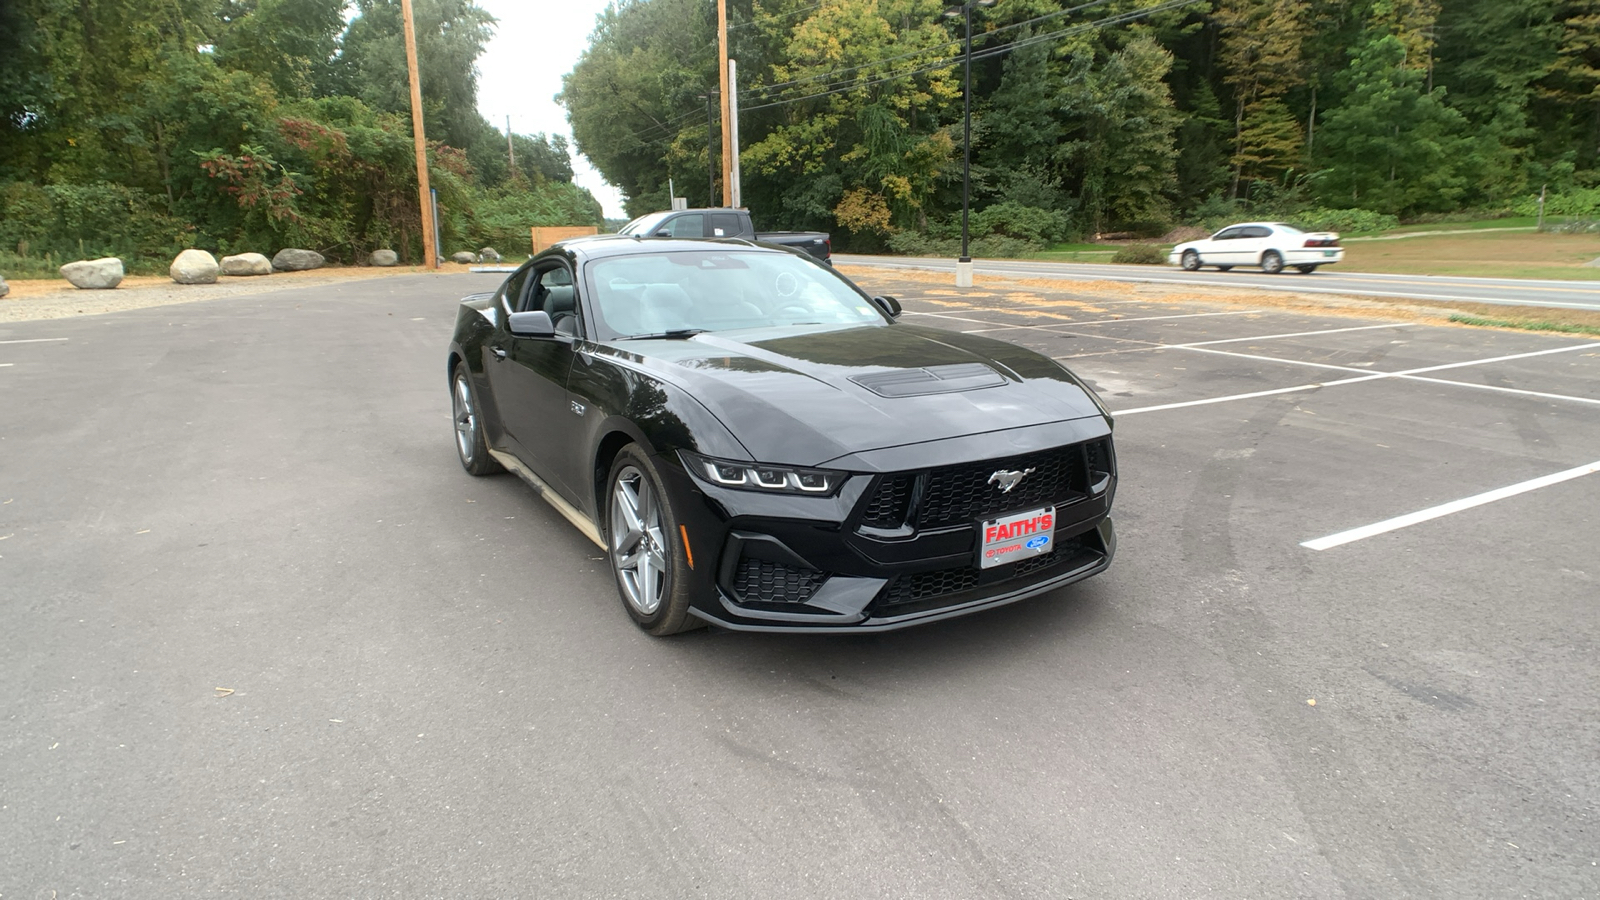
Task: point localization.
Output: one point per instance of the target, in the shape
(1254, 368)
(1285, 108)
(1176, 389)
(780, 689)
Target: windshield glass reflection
(720, 290)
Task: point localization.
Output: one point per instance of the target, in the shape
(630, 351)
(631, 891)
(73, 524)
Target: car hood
(807, 395)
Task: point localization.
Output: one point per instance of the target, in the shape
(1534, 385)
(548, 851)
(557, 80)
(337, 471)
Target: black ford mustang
(759, 445)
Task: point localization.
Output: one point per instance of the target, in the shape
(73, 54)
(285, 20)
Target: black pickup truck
(724, 222)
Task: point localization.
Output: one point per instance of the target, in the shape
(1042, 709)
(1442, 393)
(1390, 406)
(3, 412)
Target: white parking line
(1236, 312)
(1398, 522)
(1294, 334)
(1408, 374)
(35, 340)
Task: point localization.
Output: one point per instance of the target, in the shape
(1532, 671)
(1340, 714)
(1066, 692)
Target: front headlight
(748, 476)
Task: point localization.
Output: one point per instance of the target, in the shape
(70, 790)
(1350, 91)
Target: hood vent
(932, 380)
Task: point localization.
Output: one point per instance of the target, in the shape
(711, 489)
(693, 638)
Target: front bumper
(850, 563)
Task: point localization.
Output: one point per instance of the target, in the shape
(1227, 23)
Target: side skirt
(583, 522)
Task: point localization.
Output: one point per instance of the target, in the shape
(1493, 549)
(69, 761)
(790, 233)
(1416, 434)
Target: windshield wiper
(673, 334)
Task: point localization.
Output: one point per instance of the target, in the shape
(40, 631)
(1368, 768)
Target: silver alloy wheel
(1191, 261)
(466, 420)
(638, 546)
(1272, 262)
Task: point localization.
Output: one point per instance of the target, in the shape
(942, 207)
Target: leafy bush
(1140, 255)
(914, 243)
(1345, 221)
(86, 221)
(1030, 224)
(1576, 202)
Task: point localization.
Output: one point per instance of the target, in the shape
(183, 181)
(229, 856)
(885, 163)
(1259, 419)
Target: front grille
(887, 508)
(1099, 454)
(965, 493)
(942, 582)
(764, 581)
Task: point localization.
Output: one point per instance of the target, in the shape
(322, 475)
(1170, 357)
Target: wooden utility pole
(727, 136)
(419, 137)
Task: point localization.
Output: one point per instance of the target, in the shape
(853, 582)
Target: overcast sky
(536, 43)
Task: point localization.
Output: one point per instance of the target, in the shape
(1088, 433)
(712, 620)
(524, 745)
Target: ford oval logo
(1037, 542)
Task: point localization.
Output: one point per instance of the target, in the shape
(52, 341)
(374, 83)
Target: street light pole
(964, 264)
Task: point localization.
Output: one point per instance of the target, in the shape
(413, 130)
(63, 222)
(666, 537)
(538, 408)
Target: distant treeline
(139, 128)
(1102, 115)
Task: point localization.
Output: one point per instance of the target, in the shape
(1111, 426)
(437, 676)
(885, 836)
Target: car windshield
(644, 224)
(719, 290)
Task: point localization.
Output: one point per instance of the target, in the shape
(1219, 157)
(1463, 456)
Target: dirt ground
(1433, 312)
(1498, 255)
(53, 298)
(32, 299)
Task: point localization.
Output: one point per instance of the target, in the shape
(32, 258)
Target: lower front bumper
(1093, 557)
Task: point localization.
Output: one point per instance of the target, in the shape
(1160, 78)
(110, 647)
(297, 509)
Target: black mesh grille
(1099, 455)
(965, 493)
(764, 581)
(930, 585)
(887, 508)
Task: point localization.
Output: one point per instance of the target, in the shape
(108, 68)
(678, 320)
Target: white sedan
(1270, 245)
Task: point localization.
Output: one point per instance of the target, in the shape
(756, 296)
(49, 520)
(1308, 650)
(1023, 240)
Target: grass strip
(1525, 326)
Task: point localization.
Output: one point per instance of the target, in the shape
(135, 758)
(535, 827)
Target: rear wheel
(1306, 270)
(646, 551)
(1191, 261)
(1272, 262)
(471, 447)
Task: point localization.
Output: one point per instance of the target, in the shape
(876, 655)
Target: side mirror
(663, 233)
(534, 324)
(889, 305)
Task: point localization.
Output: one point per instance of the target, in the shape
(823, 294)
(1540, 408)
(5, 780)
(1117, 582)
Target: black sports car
(758, 444)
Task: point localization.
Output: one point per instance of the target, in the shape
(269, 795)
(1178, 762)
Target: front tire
(1191, 261)
(643, 542)
(1272, 262)
(471, 446)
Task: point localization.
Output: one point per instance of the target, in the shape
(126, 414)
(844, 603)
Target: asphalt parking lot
(265, 638)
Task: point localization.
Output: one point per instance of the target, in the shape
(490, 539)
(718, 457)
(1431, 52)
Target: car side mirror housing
(889, 305)
(663, 233)
(531, 324)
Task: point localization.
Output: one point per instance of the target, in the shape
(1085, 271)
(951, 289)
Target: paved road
(1499, 291)
(262, 637)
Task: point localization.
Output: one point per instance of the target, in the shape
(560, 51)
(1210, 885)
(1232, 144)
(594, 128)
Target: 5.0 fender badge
(577, 408)
(1008, 478)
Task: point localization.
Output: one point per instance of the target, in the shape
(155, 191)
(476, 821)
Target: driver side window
(553, 291)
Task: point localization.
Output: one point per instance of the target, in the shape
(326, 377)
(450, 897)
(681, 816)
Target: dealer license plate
(1016, 537)
(1330, 253)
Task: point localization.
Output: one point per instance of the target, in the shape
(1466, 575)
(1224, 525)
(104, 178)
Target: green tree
(1260, 47)
(1120, 124)
(1391, 146)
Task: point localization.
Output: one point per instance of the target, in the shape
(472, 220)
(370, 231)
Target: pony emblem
(1008, 478)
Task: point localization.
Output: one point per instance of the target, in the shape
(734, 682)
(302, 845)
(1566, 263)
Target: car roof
(603, 245)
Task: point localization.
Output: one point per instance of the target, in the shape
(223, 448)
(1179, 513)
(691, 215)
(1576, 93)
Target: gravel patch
(53, 298)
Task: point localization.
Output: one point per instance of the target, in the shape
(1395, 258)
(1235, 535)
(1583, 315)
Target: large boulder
(94, 274)
(384, 258)
(464, 257)
(489, 255)
(4, 288)
(246, 264)
(194, 267)
(292, 260)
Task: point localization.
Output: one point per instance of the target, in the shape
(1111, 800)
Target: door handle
(498, 353)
